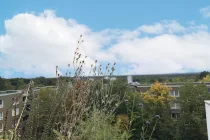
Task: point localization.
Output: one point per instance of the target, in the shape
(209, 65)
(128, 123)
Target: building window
(1, 115)
(171, 92)
(15, 101)
(13, 112)
(175, 115)
(177, 94)
(1, 104)
(175, 105)
(174, 93)
(1, 127)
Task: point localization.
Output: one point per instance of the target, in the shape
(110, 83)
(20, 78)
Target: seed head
(147, 122)
(141, 105)
(157, 116)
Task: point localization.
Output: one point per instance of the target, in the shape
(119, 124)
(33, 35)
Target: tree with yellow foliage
(156, 101)
(158, 94)
(206, 79)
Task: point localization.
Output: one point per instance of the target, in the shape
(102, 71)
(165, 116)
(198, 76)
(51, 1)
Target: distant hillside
(151, 78)
(181, 77)
(19, 83)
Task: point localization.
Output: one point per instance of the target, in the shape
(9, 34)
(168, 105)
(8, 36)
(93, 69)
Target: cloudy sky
(141, 36)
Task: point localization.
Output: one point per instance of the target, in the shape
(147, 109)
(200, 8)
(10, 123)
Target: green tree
(119, 86)
(192, 123)
(176, 80)
(202, 75)
(2, 83)
(20, 84)
(8, 85)
(157, 101)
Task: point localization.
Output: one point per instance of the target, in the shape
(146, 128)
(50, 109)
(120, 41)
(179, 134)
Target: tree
(20, 84)
(176, 80)
(119, 86)
(203, 74)
(157, 101)
(8, 85)
(2, 84)
(39, 81)
(192, 124)
(206, 78)
(158, 94)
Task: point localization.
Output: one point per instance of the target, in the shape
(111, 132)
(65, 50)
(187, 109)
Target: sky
(140, 36)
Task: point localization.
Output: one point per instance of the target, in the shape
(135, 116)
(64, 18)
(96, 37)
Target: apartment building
(10, 106)
(175, 105)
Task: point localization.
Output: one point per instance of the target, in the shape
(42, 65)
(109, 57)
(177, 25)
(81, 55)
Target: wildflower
(141, 105)
(147, 122)
(157, 116)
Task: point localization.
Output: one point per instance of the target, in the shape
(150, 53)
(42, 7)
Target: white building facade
(207, 107)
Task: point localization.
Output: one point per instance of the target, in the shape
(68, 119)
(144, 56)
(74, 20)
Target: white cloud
(170, 27)
(205, 11)
(165, 53)
(46, 40)
(164, 26)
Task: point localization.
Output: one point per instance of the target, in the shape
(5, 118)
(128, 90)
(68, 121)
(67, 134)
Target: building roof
(10, 92)
(173, 84)
(207, 102)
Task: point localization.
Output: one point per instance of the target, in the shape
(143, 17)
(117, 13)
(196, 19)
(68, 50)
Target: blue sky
(180, 22)
(110, 14)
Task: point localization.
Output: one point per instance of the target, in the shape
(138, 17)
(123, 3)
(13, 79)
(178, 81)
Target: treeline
(20, 83)
(168, 78)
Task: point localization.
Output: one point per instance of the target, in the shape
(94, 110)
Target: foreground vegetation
(112, 112)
